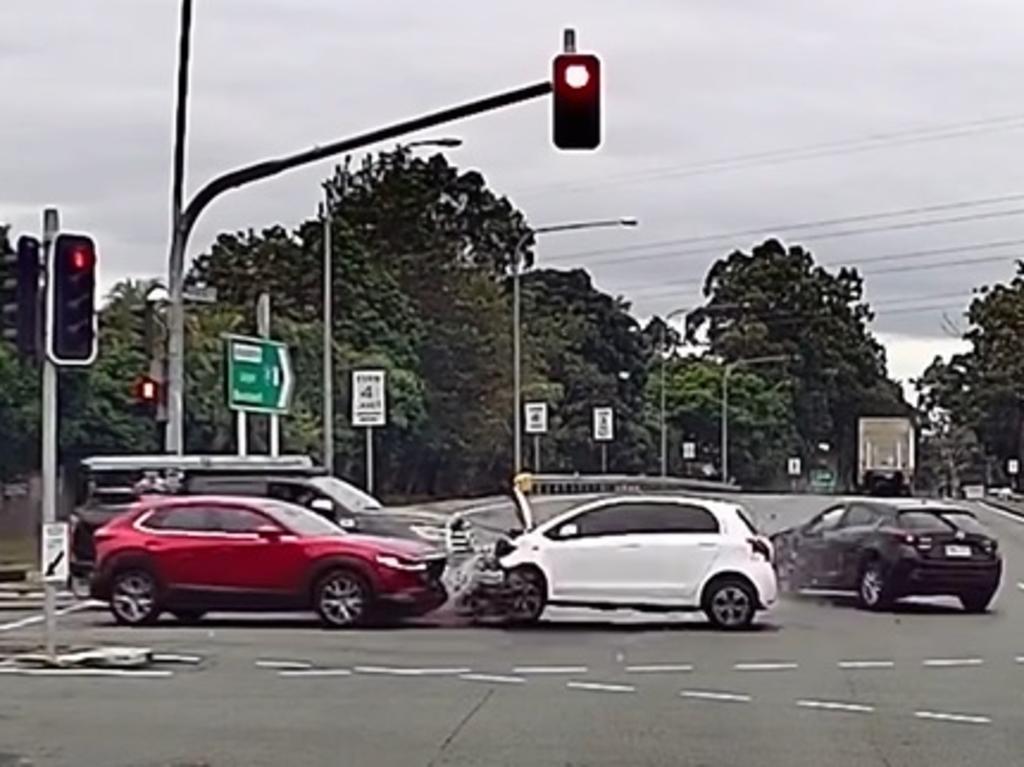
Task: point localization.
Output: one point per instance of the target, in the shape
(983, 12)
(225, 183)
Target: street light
(725, 400)
(328, 205)
(517, 255)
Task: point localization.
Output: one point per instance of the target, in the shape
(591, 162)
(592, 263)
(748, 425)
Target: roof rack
(591, 484)
(198, 462)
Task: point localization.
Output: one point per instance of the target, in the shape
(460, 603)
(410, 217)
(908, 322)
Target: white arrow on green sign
(260, 376)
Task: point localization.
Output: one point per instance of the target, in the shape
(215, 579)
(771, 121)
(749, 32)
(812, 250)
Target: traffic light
(72, 314)
(147, 391)
(19, 295)
(576, 81)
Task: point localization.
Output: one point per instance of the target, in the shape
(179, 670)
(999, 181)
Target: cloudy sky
(874, 133)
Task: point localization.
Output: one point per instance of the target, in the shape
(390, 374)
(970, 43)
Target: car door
(261, 560)
(847, 541)
(183, 546)
(817, 561)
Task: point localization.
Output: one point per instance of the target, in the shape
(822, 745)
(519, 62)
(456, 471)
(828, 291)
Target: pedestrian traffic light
(576, 82)
(147, 390)
(72, 300)
(19, 295)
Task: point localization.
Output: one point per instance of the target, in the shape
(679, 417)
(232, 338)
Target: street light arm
(268, 168)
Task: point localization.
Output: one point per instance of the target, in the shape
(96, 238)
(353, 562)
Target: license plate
(958, 551)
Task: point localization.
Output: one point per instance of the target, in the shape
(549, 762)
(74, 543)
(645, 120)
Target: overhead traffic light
(72, 314)
(19, 295)
(576, 82)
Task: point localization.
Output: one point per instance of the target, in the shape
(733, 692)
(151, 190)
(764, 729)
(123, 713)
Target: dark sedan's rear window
(940, 521)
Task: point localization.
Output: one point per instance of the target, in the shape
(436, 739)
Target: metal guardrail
(596, 484)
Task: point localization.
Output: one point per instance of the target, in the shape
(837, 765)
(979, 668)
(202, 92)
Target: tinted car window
(629, 518)
(299, 520)
(860, 516)
(940, 521)
(239, 520)
(966, 522)
(182, 518)
(685, 518)
(826, 521)
(609, 520)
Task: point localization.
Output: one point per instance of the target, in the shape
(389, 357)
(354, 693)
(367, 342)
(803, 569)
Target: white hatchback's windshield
(346, 495)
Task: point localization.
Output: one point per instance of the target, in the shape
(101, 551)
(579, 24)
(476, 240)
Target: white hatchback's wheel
(133, 598)
(342, 599)
(529, 596)
(730, 604)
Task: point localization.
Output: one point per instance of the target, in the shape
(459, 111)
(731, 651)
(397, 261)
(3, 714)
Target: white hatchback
(650, 552)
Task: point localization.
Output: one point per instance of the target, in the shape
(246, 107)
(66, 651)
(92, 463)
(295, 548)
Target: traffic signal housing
(72, 313)
(576, 85)
(19, 295)
(147, 391)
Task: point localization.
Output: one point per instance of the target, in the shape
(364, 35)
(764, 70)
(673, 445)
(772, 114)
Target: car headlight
(397, 563)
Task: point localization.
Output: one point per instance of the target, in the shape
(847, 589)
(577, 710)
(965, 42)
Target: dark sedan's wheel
(977, 601)
(134, 598)
(342, 599)
(188, 616)
(529, 596)
(730, 604)
(874, 591)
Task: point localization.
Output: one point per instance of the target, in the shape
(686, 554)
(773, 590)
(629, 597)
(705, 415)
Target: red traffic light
(576, 81)
(81, 258)
(147, 390)
(71, 312)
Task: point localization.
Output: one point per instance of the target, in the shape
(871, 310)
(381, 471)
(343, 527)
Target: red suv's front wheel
(342, 598)
(133, 598)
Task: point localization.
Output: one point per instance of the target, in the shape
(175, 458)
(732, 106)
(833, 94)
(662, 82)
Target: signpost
(536, 424)
(369, 409)
(260, 380)
(54, 556)
(689, 451)
(604, 432)
(793, 466)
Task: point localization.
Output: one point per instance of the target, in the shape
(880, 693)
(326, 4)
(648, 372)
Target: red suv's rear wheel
(342, 598)
(134, 597)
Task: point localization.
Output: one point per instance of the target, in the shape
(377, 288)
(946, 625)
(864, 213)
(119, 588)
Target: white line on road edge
(550, 670)
(33, 619)
(765, 666)
(168, 657)
(707, 695)
(600, 687)
(288, 664)
(495, 678)
(866, 664)
(389, 670)
(107, 672)
(952, 662)
(831, 705)
(963, 718)
(1019, 519)
(306, 672)
(656, 668)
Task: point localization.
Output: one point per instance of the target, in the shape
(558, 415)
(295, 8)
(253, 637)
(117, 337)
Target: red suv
(189, 555)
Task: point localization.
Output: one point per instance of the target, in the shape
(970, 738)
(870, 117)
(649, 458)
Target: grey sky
(88, 95)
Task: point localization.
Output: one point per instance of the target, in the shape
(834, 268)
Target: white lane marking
(709, 695)
(168, 657)
(285, 664)
(857, 664)
(306, 672)
(963, 718)
(494, 678)
(765, 666)
(600, 687)
(550, 670)
(102, 672)
(1019, 658)
(833, 705)
(392, 671)
(658, 668)
(1020, 585)
(952, 662)
(33, 619)
(1018, 518)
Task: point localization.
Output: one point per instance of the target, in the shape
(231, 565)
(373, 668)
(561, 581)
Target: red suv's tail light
(759, 546)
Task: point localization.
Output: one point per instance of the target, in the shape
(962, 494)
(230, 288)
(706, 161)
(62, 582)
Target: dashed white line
(314, 672)
(167, 657)
(34, 619)
(600, 687)
(1019, 658)
(493, 678)
(393, 671)
(660, 668)
(765, 666)
(550, 670)
(284, 664)
(962, 718)
(732, 697)
(865, 664)
(97, 672)
(832, 705)
(952, 662)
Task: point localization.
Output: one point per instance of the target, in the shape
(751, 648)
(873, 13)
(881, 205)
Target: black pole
(181, 112)
(267, 168)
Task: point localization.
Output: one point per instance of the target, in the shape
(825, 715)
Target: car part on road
(730, 603)
(133, 598)
(342, 598)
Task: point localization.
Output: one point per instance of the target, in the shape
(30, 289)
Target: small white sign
(1013, 467)
(793, 466)
(55, 553)
(689, 451)
(536, 417)
(368, 408)
(604, 424)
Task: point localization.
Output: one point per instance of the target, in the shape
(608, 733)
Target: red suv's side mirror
(269, 532)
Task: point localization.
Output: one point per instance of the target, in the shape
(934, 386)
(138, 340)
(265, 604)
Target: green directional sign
(260, 376)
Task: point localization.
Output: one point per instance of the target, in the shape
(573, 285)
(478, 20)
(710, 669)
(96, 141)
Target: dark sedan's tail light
(759, 546)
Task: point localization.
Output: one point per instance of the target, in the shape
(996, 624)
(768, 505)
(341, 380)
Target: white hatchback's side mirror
(569, 530)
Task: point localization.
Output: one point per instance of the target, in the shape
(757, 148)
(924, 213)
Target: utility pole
(664, 362)
(263, 331)
(51, 226)
(328, 349)
(725, 401)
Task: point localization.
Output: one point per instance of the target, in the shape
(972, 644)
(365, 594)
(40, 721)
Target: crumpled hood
(403, 547)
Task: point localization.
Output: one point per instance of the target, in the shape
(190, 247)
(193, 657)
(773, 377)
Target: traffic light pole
(51, 225)
(183, 221)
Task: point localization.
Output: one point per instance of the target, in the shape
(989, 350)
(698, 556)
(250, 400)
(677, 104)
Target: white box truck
(885, 455)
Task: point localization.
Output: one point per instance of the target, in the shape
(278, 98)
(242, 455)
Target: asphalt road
(819, 682)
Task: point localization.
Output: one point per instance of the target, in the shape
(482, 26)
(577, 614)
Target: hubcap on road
(730, 605)
(133, 597)
(342, 600)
